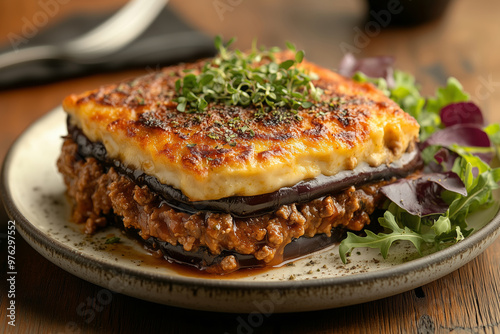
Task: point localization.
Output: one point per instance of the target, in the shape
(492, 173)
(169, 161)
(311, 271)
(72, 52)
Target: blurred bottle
(406, 12)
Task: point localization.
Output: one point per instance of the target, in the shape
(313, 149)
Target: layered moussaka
(243, 160)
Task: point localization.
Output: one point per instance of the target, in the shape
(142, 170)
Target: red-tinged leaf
(375, 67)
(470, 135)
(460, 134)
(422, 196)
(446, 158)
(444, 161)
(461, 113)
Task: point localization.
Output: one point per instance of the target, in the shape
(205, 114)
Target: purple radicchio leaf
(463, 135)
(375, 67)
(460, 134)
(422, 196)
(461, 113)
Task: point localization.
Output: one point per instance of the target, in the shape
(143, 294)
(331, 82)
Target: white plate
(33, 193)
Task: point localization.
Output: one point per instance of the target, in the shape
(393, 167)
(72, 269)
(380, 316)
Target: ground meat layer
(100, 192)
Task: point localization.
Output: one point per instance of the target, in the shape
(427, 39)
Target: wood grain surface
(463, 43)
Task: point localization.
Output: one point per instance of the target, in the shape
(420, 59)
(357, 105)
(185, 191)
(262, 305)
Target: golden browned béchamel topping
(234, 150)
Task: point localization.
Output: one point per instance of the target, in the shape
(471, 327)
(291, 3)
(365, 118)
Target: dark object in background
(406, 12)
(166, 41)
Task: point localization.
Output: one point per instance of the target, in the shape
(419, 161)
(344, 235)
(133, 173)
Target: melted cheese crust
(229, 151)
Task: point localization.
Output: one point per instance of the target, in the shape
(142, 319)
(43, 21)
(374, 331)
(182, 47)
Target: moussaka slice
(238, 161)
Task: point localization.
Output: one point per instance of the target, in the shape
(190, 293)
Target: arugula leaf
(383, 241)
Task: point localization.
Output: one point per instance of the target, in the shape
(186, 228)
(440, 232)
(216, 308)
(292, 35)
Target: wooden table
(464, 43)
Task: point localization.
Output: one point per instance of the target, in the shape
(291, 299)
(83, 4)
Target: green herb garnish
(112, 240)
(235, 78)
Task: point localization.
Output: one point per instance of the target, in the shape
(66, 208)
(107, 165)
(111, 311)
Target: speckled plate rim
(227, 290)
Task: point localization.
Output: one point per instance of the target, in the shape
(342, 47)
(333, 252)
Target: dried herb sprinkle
(112, 240)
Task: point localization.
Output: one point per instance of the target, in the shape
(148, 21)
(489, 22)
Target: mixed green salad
(457, 146)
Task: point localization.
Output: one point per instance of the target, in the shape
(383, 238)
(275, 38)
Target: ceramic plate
(33, 193)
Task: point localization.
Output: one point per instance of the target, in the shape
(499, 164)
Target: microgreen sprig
(235, 78)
